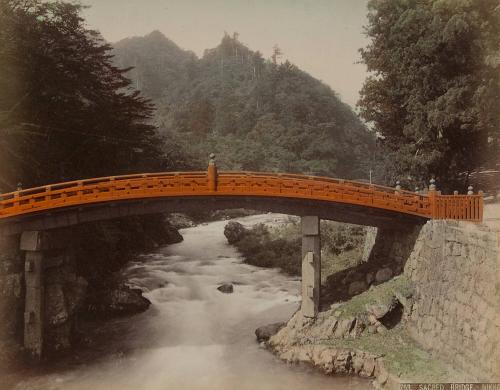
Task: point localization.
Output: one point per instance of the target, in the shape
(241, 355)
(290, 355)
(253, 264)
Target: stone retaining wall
(11, 289)
(384, 256)
(454, 268)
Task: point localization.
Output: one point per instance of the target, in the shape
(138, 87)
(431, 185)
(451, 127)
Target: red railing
(211, 183)
(460, 207)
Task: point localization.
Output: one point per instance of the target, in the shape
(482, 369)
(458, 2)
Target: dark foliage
(338, 238)
(66, 112)
(434, 90)
(260, 249)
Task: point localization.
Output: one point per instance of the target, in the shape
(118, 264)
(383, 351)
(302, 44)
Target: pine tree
(66, 112)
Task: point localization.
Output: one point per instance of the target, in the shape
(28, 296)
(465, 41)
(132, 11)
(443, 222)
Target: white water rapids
(193, 336)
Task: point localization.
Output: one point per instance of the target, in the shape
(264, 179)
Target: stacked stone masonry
(454, 268)
(11, 289)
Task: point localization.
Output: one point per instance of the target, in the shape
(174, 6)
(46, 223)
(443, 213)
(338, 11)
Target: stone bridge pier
(52, 290)
(311, 265)
(33, 244)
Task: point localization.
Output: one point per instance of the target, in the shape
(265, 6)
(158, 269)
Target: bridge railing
(323, 188)
(203, 183)
(103, 189)
(459, 207)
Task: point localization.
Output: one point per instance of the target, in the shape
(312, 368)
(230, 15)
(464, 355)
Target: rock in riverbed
(126, 300)
(118, 300)
(226, 288)
(265, 332)
(234, 231)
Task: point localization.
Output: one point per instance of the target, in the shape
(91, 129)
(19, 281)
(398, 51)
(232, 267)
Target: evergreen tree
(434, 90)
(66, 112)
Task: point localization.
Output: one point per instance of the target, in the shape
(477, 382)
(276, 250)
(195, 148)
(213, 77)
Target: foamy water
(193, 336)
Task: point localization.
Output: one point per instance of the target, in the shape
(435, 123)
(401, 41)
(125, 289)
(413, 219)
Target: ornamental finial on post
(212, 173)
(432, 198)
(470, 190)
(211, 159)
(432, 186)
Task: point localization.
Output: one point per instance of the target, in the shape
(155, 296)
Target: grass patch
(401, 355)
(382, 294)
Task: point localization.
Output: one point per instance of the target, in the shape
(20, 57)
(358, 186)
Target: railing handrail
(103, 179)
(143, 185)
(322, 178)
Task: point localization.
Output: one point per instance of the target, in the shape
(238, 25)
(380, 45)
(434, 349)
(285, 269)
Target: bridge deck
(210, 183)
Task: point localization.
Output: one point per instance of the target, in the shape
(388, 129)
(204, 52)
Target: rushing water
(193, 336)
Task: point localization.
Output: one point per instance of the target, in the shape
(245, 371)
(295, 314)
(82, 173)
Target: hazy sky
(320, 36)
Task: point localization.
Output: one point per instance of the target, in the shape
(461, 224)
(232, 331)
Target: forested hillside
(254, 113)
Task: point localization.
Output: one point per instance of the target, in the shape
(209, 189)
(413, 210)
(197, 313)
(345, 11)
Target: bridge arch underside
(328, 210)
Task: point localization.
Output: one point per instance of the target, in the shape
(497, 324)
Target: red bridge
(337, 199)
(35, 220)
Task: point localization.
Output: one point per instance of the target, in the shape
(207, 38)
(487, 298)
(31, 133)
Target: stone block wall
(11, 289)
(64, 293)
(384, 256)
(455, 271)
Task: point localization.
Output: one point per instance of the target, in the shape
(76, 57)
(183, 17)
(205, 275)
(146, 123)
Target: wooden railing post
(17, 194)
(212, 174)
(481, 204)
(471, 212)
(433, 199)
(398, 188)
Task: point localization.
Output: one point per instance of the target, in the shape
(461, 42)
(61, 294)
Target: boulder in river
(172, 234)
(226, 288)
(118, 300)
(265, 332)
(180, 221)
(234, 231)
(126, 300)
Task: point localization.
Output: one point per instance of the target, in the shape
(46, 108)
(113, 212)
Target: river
(193, 336)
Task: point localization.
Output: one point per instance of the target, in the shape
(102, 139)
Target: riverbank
(399, 313)
(364, 336)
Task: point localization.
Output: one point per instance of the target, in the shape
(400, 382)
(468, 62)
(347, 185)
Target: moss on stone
(401, 355)
(384, 294)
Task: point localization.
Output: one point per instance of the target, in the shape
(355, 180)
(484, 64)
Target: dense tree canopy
(255, 114)
(66, 111)
(434, 90)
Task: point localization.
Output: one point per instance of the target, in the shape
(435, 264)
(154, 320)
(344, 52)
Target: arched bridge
(66, 204)
(35, 218)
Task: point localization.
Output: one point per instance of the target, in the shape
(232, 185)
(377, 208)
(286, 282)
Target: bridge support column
(31, 242)
(311, 266)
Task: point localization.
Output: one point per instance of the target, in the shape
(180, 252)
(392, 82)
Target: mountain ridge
(255, 113)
